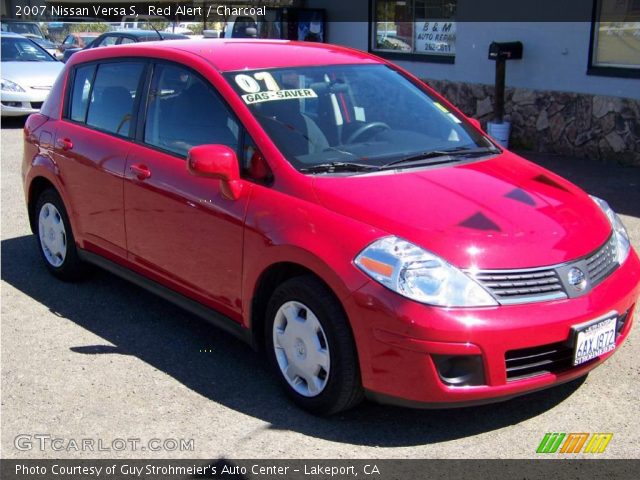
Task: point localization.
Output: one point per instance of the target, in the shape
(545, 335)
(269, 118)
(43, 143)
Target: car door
(180, 228)
(92, 143)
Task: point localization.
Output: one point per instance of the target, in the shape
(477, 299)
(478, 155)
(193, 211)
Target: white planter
(500, 132)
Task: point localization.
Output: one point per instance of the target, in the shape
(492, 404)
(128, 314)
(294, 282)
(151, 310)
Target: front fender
(281, 228)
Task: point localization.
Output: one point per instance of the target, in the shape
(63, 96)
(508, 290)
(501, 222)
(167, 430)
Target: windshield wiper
(440, 156)
(333, 167)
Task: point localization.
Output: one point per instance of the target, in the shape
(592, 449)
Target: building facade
(575, 92)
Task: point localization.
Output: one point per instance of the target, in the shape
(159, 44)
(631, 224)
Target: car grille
(603, 262)
(529, 362)
(522, 286)
(551, 358)
(541, 284)
(37, 105)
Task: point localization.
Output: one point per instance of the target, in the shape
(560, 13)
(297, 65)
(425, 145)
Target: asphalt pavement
(104, 360)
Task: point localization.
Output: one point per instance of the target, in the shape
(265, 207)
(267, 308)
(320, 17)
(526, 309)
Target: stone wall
(571, 124)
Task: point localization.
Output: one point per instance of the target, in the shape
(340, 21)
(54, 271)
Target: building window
(615, 42)
(415, 27)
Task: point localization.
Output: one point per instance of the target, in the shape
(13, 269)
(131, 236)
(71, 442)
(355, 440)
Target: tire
(315, 358)
(55, 239)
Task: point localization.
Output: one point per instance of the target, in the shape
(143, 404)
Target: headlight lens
(9, 86)
(622, 237)
(420, 275)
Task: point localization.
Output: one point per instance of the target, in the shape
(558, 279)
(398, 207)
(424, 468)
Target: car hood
(32, 74)
(500, 213)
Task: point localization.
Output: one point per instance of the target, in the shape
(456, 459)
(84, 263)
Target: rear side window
(80, 94)
(108, 41)
(113, 96)
(184, 111)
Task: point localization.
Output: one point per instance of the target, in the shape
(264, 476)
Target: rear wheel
(55, 238)
(311, 348)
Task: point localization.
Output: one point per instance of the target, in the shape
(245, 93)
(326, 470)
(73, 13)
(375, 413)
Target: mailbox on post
(505, 51)
(500, 53)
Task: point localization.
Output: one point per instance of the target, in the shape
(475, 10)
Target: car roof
(238, 54)
(144, 33)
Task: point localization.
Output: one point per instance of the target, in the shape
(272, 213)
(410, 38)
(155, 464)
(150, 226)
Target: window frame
(601, 70)
(140, 107)
(391, 55)
(144, 108)
(66, 111)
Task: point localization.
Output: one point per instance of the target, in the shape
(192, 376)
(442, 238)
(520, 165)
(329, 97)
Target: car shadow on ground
(13, 123)
(226, 371)
(617, 184)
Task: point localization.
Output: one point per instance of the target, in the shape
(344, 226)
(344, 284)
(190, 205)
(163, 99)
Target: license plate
(594, 339)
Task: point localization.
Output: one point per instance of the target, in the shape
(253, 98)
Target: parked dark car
(75, 41)
(123, 37)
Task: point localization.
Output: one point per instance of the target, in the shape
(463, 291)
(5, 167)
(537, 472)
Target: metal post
(498, 101)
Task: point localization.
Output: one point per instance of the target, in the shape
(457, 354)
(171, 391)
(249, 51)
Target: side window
(69, 40)
(113, 96)
(108, 41)
(126, 40)
(184, 111)
(80, 93)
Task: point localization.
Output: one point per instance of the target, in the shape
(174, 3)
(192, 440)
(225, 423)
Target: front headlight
(622, 237)
(420, 275)
(9, 86)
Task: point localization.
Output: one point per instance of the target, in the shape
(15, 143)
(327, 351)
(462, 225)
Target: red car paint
(191, 236)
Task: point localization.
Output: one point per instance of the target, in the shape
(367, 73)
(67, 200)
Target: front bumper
(397, 340)
(22, 103)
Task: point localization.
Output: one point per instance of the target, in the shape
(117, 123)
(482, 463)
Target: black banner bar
(336, 11)
(227, 469)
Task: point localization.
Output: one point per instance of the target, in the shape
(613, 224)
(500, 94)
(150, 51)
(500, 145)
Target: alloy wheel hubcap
(301, 349)
(53, 237)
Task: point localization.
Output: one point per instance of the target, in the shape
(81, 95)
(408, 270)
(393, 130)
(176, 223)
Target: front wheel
(55, 239)
(311, 348)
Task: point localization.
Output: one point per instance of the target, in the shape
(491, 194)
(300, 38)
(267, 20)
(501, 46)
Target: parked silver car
(28, 73)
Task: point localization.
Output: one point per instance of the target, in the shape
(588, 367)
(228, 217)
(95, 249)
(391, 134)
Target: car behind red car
(329, 207)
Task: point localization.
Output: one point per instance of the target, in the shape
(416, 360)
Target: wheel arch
(38, 185)
(267, 282)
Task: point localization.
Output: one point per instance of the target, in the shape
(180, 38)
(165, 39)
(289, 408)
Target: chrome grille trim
(522, 286)
(540, 284)
(603, 262)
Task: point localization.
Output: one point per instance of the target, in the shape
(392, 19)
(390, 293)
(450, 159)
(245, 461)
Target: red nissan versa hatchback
(326, 205)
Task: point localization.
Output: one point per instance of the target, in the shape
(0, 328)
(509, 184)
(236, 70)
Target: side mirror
(217, 161)
(475, 122)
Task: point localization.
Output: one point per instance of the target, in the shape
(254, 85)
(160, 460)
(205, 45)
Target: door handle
(140, 171)
(64, 143)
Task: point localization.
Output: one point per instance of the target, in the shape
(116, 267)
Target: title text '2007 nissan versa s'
(325, 204)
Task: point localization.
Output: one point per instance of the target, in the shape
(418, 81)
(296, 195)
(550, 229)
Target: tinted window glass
(80, 94)
(113, 95)
(126, 40)
(23, 50)
(108, 40)
(367, 114)
(184, 111)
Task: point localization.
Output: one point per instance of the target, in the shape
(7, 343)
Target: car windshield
(23, 50)
(363, 116)
(23, 28)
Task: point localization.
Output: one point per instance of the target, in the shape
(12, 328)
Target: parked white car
(28, 73)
